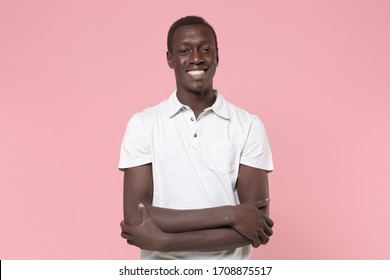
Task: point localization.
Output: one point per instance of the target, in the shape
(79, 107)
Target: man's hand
(147, 235)
(251, 222)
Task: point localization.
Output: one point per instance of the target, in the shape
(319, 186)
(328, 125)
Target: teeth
(196, 72)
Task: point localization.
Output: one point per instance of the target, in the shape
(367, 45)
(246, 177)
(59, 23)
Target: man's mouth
(196, 73)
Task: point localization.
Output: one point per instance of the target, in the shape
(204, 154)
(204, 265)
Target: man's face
(194, 58)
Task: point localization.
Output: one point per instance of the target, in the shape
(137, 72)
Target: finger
(268, 231)
(128, 237)
(129, 242)
(269, 222)
(128, 229)
(262, 203)
(263, 237)
(256, 242)
(125, 235)
(125, 227)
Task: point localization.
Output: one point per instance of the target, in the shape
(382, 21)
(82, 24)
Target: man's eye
(205, 50)
(184, 51)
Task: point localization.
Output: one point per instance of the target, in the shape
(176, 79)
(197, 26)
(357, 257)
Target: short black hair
(188, 20)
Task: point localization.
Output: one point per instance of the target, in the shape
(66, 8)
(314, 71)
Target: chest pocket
(221, 158)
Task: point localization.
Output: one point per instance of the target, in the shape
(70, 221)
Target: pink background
(73, 72)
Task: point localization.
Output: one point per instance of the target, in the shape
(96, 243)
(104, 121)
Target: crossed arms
(211, 229)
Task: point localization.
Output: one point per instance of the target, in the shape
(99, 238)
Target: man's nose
(196, 57)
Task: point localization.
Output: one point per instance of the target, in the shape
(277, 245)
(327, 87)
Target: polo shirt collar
(220, 106)
(174, 105)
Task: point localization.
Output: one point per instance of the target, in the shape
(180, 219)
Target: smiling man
(195, 166)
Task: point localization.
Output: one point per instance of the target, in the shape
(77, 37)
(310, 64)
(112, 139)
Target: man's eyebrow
(199, 43)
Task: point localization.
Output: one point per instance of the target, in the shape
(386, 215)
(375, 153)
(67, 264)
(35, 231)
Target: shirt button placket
(195, 140)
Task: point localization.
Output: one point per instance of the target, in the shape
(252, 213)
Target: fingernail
(141, 205)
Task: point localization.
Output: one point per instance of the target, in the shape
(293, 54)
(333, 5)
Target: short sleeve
(135, 148)
(257, 151)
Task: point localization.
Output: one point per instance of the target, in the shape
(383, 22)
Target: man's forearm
(147, 235)
(224, 238)
(240, 224)
(176, 221)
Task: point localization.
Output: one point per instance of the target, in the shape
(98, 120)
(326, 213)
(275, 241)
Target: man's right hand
(251, 222)
(147, 235)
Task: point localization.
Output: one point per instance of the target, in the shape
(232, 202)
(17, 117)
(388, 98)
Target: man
(195, 182)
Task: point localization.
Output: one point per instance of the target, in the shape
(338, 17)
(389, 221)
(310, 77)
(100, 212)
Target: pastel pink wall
(73, 72)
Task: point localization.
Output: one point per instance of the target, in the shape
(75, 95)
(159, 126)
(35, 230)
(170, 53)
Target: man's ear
(169, 60)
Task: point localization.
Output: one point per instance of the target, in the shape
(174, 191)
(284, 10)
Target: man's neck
(197, 101)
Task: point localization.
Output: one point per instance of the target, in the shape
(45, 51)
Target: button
(192, 119)
(195, 135)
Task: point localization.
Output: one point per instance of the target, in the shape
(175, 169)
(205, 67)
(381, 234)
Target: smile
(195, 73)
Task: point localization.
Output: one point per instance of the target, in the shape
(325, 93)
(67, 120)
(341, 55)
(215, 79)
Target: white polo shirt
(195, 161)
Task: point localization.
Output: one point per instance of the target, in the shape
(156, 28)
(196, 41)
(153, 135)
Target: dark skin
(193, 48)
(194, 59)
